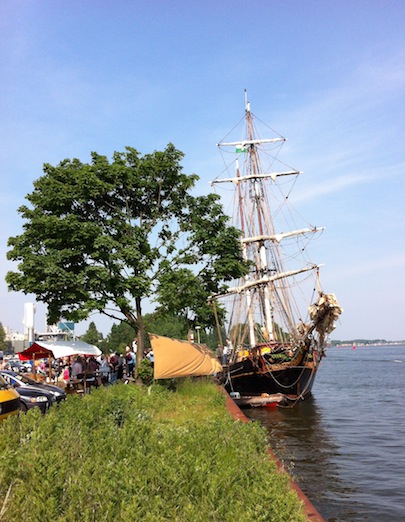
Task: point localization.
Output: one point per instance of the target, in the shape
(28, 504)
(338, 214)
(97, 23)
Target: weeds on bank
(127, 453)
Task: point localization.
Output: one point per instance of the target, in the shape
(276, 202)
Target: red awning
(34, 352)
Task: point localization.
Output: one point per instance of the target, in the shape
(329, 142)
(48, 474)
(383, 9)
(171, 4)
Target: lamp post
(198, 328)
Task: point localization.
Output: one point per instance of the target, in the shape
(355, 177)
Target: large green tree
(92, 335)
(4, 345)
(175, 326)
(120, 336)
(104, 236)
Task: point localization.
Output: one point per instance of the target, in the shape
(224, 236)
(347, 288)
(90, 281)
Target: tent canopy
(58, 349)
(174, 358)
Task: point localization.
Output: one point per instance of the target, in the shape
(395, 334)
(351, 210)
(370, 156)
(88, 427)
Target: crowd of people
(224, 353)
(102, 370)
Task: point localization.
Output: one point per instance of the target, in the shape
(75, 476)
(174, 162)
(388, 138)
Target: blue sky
(77, 77)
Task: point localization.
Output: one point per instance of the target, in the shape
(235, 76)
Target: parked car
(9, 400)
(33, 397)
(30, 396)
(24, 381)
(16, 365)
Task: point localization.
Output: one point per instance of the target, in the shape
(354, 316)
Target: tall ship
(278, 317)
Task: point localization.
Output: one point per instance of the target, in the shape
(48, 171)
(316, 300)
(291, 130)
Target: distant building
(17, 341)
(63, 331)
(11, 335)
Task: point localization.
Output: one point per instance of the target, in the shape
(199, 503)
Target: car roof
(38, 389)
(32, 390)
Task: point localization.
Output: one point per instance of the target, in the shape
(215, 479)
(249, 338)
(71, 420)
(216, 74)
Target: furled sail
(175, 358)
(324, 313)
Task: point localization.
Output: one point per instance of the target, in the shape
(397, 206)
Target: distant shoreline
(365, 343)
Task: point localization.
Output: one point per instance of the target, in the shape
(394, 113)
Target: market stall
(56, 350)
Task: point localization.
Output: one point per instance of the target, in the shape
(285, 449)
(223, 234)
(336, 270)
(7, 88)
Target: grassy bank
(127, 453)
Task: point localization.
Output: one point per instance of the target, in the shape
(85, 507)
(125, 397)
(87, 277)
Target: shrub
(145, 372)
(128, 452)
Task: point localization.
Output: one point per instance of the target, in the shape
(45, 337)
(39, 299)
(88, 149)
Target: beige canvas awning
(175, 358)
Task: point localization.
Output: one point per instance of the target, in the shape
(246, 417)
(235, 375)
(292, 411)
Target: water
(345, 445)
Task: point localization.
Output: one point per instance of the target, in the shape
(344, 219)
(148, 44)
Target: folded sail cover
(174, 358)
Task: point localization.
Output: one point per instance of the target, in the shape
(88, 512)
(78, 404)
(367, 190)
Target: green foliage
(4, 345)
(92, 336)
(211, 339)
(103, 236)
(168, 325)
(120, 336)
(366, 342)
(135, 453)
(145, 372)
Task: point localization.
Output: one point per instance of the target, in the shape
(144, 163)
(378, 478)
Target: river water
(345, 446)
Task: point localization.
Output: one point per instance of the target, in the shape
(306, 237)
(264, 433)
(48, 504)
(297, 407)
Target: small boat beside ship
(279, 316)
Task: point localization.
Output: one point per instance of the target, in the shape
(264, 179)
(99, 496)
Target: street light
(198, 328)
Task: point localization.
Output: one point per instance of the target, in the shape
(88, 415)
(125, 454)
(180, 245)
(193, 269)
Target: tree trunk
(140, 335)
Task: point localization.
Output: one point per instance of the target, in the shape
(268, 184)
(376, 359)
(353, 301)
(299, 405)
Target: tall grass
(128, 453)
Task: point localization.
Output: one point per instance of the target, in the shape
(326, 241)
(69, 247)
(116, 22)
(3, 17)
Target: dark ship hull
(252, 378)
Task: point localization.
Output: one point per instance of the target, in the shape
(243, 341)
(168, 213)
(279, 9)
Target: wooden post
(217, 323)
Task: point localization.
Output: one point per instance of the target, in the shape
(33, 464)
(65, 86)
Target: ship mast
(248, 294)
(260, 241)
(262, 262)
(262, 258)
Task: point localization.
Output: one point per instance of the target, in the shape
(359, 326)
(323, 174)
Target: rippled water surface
(345, 446)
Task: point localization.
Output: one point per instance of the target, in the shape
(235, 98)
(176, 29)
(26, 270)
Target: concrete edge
(310, 511)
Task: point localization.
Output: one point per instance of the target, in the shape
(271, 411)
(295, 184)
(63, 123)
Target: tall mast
(248, 294)
(249, 303)
(262, 260)
(265, 290)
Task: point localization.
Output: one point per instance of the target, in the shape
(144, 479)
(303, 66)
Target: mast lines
(262, 291)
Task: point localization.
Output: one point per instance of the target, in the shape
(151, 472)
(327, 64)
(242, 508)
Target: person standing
(77, 369)
(228, 348)
(151, 357)
(120, 367)
(66, 375)
(113, 366)
(104, 370)
(92, 367)
(130, 361)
